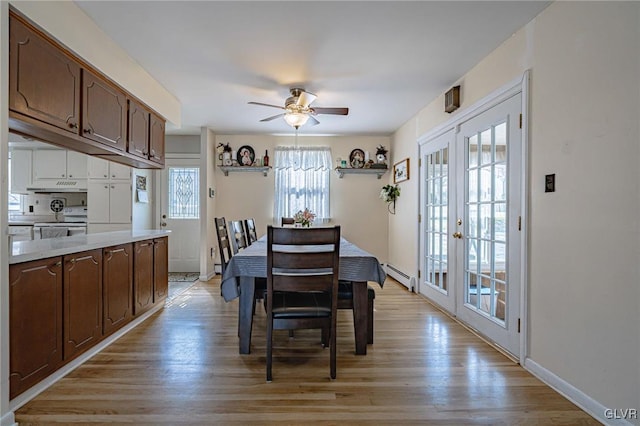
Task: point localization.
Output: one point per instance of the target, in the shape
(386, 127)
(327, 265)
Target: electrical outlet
(212, 251)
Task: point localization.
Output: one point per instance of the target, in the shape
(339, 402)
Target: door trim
(515, 86)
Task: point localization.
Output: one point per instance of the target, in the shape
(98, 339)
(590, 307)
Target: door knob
(163, 223)
(457, 235)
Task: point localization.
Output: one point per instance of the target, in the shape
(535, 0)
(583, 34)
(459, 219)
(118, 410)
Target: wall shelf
(341, 171)
(226, 169)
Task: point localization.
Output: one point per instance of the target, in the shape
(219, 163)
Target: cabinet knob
(111, 176)
(88, 131)
(106, 176)
(62, 175)
(106, 187)
(112, 187)
(73, 126)
(70, 176)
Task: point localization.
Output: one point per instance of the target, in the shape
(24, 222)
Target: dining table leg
(245, 313)
(360, 322)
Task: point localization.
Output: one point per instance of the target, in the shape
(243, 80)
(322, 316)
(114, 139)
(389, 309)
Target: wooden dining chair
(250, 231)
(302, 284)
(237, 236)
(224, 245)
(287, 221)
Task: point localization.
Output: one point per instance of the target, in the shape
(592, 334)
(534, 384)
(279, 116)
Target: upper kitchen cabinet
(146, 133)
(57, 97)
(104, 112)
(44, 83)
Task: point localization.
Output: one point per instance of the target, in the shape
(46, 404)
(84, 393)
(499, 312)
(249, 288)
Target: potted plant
(304, 218)
(390, 193)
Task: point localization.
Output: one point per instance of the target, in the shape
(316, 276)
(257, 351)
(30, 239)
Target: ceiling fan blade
(269, 105)
(313, 120)
(273, 117)
(305, 99)
(334, 111)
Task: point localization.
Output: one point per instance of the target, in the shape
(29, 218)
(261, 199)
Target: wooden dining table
(356, 265)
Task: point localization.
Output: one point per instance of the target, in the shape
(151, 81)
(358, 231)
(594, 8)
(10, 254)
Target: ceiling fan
(297, 109)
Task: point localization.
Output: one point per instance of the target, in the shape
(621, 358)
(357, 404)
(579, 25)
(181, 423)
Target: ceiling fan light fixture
(296, 119)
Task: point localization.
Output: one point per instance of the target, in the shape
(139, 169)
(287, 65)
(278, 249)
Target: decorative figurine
(381, 158)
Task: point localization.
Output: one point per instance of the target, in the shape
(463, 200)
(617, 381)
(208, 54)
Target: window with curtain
(302, 177)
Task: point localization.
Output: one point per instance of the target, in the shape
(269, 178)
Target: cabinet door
(35, 322)
(117, 287)
(120, 202)
(82, 305)
(76, 165)
(104, 112)
(142, 276)
(20, 170)
(98, 202)
(119, 172)
(160, 268)
(44, 83)
(97, 168)
(156, 139)
(138, 140)
(49, 164)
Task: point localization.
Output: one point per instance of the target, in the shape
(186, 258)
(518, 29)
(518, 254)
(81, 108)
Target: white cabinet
(76, 165)
(104, 169)
(49, 164)
(20, 170)
(109, 196)
(109, 202)
(59, 168)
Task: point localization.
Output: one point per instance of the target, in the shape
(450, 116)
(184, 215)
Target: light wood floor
(182, 367)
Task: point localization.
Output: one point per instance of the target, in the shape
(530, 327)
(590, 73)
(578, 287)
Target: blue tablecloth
(355, 265)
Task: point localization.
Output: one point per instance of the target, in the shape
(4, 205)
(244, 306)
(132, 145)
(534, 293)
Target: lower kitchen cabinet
(35, 322)
(150, 277)
(82, 301)
(142, 276)
(117, 282)
(160, 268)
(61, 306)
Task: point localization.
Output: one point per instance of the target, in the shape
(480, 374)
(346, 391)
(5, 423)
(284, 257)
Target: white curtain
(302, 177)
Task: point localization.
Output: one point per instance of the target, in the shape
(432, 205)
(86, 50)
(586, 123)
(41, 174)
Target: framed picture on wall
(401, 171)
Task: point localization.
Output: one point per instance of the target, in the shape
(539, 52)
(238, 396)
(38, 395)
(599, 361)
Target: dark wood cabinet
(117, 282)
(57, 97)
(160, 269)
(143, 291)
(156, 139)
(138, 136)
(104, 112)
(35, 322)
(146, 134)
(82, 305)
(44, 82)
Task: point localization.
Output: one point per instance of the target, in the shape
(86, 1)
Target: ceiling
(383, 60)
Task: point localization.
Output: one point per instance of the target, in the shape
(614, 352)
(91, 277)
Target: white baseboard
(207, 277)
(575, 395)
(8, 420)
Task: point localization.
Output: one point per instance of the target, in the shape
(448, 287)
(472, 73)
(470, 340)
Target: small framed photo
(401, 171)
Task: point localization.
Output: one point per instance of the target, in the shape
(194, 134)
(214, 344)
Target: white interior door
(180, 213)
(437, 212)
(470, 240)
(488, 238)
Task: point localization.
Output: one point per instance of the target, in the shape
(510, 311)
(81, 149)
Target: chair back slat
(250, 229)
(237, 236)
(224, 245)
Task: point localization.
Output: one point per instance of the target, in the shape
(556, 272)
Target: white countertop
(24, 251)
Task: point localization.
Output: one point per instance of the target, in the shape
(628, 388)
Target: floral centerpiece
(304, 218)
(390, 193)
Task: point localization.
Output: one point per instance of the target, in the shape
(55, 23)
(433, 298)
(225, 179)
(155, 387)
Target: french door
(470, 231)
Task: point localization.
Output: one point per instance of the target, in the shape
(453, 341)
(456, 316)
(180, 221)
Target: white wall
(182, 144)
(142, 214)
(584, 239)
(242, 195)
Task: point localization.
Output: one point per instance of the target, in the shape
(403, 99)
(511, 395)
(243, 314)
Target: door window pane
(486, 239)
(437, 211)
(184, 193)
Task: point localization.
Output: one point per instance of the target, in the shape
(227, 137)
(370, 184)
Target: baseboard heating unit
(402, 277)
